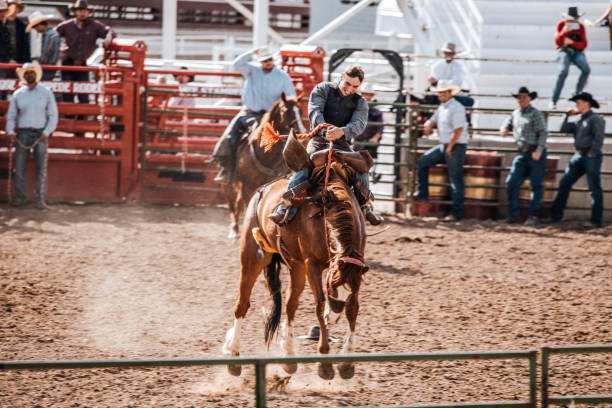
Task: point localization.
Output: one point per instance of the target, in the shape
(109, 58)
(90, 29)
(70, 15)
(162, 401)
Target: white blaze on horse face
(286, 338)
(350, 342)
(300, 124)
(232, 339)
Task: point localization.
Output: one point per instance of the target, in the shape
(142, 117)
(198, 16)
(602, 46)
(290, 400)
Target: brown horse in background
(327, 233)
(255, 166)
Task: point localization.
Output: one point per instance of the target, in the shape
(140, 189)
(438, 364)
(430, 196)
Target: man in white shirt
(452, 125)
(448, 68)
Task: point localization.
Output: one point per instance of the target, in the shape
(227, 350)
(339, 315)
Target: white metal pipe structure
(247, 13)
(260, 23)
(337, 22)
(169, 29)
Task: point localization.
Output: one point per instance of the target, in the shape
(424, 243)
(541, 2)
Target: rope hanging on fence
(184, 155)
(102, 103)
(269, 136)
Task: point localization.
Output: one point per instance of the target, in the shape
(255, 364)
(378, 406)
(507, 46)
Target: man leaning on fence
(452, 125)
(528, 127)
(589, 133)
(31, 118)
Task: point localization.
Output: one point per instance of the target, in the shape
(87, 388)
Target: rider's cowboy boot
(281, 215)
(223, 176)
(371, 216)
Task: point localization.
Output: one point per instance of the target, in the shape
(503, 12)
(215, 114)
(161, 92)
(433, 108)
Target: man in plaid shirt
(529, 129)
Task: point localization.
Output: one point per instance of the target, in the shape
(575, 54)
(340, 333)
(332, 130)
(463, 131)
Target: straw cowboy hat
(524, 91)
(448, 47)
(445, 85)
(585, 96)
(572, 13)
(80, 5)
(29, 66)
(36, 18)
(264, 54)
(20, 7)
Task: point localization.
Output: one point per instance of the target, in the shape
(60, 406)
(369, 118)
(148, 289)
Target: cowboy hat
(448, 47)
(20, 7)
(585, 96)
(264, 54)
(445, 85)
(313, 334)
(191, 77)
(29, 66)
(36, 18)
(367, 88)
(3, 5)
(572, 13)
(79, 5)
(524, 91)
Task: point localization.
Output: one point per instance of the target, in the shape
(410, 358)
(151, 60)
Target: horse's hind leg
(250, 268)
(298, 279)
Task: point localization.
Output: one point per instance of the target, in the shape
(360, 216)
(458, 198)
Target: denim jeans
(565, 57)
(27, 137)
(454, 163)
(581, 164)
(524, 166)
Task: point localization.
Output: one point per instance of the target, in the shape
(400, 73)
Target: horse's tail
(272, 273)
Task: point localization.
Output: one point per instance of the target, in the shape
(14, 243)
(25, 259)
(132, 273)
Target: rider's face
(349, 85)
(267, 65)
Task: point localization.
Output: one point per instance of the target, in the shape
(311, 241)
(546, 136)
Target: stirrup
(278, 218)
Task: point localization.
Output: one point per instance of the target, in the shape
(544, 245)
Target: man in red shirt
(571, 42)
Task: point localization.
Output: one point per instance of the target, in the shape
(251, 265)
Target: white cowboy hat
(445, 85)
(29, 66)
(264, 54)
(449, 47)
(367, 88)
(36, 18)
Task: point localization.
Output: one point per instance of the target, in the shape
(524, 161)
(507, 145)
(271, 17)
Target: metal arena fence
(260, 364)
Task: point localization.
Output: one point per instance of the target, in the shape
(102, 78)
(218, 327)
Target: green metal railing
(571, 399)
(260, 364)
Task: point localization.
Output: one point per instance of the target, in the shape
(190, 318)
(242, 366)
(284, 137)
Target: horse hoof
(326, 371)
(346, 370)
(290, 368)
(234, 370)
(233, 236)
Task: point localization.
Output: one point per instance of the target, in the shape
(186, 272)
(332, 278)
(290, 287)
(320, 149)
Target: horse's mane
(267, 117)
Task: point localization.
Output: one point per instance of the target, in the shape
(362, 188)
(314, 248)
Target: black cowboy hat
(585, 96)
(572, 13)
(314, 332)
(524, 91)
(80, 5)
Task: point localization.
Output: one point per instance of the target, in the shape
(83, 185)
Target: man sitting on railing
(452, 132)
(589, 133)
(262, 88)
(528, 126)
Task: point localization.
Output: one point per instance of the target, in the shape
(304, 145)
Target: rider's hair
(355, 71)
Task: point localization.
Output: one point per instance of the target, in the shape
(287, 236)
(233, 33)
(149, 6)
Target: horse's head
(286, 115)
(344, 271)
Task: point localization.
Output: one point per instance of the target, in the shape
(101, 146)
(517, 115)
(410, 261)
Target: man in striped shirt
(528, 126)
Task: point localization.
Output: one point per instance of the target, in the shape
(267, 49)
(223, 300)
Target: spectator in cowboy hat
(183, 79)
(31, 118)
(571, 41)
(263, 86)
(372, 133)
(80, 34)
(528, 126)
(589, 133)
(447, 68)
(49, 53)
(452, 132)
(20, 39)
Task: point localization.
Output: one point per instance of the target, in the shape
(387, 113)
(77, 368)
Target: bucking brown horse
(323, 244)
(254, 165)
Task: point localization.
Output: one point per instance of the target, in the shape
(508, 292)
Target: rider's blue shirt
(262, 90)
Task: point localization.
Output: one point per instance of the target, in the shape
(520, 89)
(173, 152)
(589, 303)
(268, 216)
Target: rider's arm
(316, 104)
(359, 121)
(242, 65)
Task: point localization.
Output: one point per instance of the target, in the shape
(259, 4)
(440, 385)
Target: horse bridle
(333, 263)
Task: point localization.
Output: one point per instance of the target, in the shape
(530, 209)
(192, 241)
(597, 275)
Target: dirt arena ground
(136, 281)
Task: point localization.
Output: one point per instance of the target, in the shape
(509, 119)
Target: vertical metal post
(143, 149)
(533, 387)
(413, 114)
(260, 23)
(169, 29)
(545, 353)
(260, 384)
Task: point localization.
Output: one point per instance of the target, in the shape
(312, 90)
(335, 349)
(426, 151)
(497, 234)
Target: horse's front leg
(326, 370)
(298, 280)
(347, 370)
